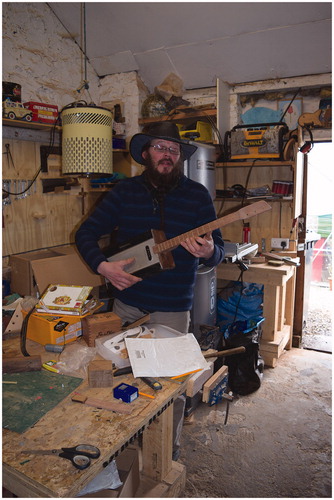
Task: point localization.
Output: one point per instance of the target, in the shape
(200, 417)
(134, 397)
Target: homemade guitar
(153, 252)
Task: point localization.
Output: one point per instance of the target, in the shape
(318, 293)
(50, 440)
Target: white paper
(165, 357)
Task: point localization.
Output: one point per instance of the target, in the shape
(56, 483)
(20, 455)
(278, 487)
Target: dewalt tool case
(261, 140)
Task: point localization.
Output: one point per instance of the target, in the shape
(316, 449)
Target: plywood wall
(36, 220)
(275, 223)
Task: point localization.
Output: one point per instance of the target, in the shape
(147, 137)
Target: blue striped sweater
(130, 207)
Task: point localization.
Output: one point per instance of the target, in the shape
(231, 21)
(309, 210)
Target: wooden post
(157, 446)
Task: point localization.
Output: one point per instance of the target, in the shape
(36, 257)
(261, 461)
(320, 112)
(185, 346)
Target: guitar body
(147, 261)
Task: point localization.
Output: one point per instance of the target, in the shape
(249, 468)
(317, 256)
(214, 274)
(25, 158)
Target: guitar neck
(243, 213)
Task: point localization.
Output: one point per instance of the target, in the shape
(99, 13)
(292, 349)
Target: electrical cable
(9, 156)
(240, 279)
(227, 411)
(23, 333)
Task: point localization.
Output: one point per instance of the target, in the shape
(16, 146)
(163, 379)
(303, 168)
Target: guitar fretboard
(244, 213)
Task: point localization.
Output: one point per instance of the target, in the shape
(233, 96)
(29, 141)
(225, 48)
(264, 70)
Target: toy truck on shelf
(42, 113)
(15, 111)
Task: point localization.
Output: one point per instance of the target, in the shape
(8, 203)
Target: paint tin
(12, 91)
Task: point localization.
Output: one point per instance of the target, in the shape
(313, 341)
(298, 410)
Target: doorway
(318, 325)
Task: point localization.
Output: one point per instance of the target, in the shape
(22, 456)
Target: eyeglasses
(163, 149)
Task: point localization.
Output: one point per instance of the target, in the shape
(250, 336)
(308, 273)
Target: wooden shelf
(184, 116)
(7, 122)
(257, 198)
(257, 163)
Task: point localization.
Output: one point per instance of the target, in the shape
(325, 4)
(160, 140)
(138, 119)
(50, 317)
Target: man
(160, 198)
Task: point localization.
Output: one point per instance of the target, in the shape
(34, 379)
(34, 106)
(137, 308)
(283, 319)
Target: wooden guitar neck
(244, 213)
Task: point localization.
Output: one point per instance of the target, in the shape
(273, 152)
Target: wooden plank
(278, 345)
(179, 116)
(271, 311)
(213, 382)
(282, 302)
(257, 273)
(290, 305)
(223, 104)
(196, 381)
(171, 487)
(21, 364)
(156, 465)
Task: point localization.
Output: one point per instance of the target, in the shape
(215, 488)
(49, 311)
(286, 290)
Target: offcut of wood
(19, 364)
(100, 373)
(196, 381)
(103, 404)
(213, 382)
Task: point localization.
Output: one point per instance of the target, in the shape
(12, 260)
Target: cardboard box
(33, 272)
(53, 329)
(22, 279)
(128, 469)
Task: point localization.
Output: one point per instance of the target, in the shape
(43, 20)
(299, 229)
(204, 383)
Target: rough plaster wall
(127, 88)
(38, 55)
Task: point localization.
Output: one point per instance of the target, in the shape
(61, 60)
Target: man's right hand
(114, 272)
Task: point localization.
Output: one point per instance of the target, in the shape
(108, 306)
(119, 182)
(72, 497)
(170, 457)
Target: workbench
(278, 304)
(71, 423)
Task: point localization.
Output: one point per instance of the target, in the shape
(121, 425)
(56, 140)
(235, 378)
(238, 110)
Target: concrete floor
(277, 440)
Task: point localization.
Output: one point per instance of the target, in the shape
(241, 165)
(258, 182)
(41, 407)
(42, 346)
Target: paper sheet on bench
(165, 357)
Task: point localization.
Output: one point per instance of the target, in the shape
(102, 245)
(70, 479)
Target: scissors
(79, 455)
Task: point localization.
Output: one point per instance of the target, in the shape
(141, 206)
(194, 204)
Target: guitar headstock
(254, 209)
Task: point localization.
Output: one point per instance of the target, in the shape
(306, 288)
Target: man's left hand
(202, 248)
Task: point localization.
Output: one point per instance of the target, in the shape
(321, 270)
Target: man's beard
(167, 180)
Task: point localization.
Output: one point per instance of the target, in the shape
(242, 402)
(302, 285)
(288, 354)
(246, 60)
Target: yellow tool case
(199, 131)
(262, 140)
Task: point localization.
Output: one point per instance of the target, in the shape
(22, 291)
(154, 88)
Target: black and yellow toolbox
(261, 140)
(199, 131)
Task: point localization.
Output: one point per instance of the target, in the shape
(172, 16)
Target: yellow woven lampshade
(86, 140)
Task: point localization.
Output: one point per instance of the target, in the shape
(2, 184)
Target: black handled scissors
(79, 455)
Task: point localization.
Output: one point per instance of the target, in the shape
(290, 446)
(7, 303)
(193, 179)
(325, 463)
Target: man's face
(162, 155)
(163, 162)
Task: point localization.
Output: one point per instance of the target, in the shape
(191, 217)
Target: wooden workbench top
(71, 423)
(257, 273)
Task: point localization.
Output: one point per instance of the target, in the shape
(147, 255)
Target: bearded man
(162, 197)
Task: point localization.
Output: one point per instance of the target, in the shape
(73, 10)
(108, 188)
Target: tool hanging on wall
(308, 145)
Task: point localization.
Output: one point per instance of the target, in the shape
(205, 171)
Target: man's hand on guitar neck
(202, 248)
(114, 272)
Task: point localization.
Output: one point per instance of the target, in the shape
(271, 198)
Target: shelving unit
(256, 163)
(7, 122)
(181, 116)
(278, 222)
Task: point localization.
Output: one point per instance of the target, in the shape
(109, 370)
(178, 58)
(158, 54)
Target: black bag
(245, 370)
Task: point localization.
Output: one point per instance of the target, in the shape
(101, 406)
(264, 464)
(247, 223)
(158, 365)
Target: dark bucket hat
(161, 130)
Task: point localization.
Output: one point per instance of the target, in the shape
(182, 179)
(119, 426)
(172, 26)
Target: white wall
(39, 55)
